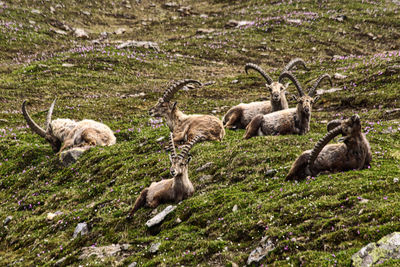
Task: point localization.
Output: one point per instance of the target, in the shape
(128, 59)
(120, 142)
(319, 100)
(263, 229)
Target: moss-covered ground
(317, 222)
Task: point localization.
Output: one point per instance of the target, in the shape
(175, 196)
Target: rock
(143, 44)
(119, 31)
(154, 247)
(112, 250)
(60, 261)
(235, 81)
(81, 33)
(270, 172)
(171, 5)
(339, 76)
(395, 180)
(364, 200)
(36, 11)
(52, 10)
(260, 252)
(133, 264)
(51, 216)
(204, 31)
(203, 16)
(68, 65)
(160, 217)
(70, 156)
(87, 13)
(178, 220)
(205, 167)
(7, 220)
(160, 139)
(185, 10)
(61, 32)
(235, 208)
(82, 229)
(234, 23)
(205, 178)
(388, 247)
(332, 90)
(294, 21)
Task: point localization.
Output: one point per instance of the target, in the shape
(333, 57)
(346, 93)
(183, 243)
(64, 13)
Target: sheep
(65, 133)
(186, 127)
(174, 189)
(288, 121)
(353, 154)
(238, 117)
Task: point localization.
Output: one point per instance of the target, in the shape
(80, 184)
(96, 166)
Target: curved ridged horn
(171, 145)
(294, 62)
(48, 119)
(317, 82)
(259, 70)
(188, 146)
(291, 77)
(35, 128)
(333, 124)
(169, 93)
(320, 145)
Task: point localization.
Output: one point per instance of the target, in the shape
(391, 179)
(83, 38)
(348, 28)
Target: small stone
(60, 261)
(234, 81)
(133, 264)
(87, 13)
(314, 49)
(270, 172)
(205, 178)
(205, 167)
(160, 139)
(234, 23)
(395, 180)
(261, 252)
(143, 44)
(204, 31)
(119, 31)
(154, 247)
(7, 220)
(36, 11)
(52, 10)
(61, 32)
(160, 217)
(339, 76)
(171, 4)
(203, 16)
(332, 90)
(68, 65)
(51, 216)
(235, 208)
(81, 33)
(82, 229)
(178, 220)
(71, 155)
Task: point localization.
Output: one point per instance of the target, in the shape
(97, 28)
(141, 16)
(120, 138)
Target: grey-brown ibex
(186, 127)
(238, 117)
(169, 190)
(353, 154)
(65, 133)
(288, 121)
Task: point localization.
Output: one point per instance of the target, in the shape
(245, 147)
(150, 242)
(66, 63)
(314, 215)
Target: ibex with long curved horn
(289, 121)
(238, 117)
(70, 133)
(186, 127)
(353, 154)
(169, 190)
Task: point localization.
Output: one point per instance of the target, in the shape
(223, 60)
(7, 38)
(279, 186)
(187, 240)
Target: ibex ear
(50, 129)
(268, 87)
(285, 86)
(316, 98)
(174, 105)
(189, 158)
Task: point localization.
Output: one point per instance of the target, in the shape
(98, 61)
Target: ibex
(169, 190)
(186, 127)
(70, 133)
(353, 154)
(238, 117)
(289, 121)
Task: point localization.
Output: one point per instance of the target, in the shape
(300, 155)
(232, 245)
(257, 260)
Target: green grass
(317, 222)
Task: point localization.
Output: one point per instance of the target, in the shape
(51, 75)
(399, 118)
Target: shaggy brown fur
(170, 190)
(238, 117)
(71, 133)
(353, 153)
(186, 127)
(287, 121)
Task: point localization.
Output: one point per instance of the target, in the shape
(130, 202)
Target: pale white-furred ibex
(353, 154)
(289, 121)
(186, 127)
(175, 189)
(65, 133)
(238, 117)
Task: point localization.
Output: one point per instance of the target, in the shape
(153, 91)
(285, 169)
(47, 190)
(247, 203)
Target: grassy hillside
(317, 222)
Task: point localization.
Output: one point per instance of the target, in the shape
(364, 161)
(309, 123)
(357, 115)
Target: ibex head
(305, 101)
(48, 133)
(180, 163)
(277, 89)
(164, 106)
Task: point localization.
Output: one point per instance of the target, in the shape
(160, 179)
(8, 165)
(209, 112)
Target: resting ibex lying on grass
(169, 190)
(71, 133)
(289, 121)
(238, 117)
(353, 153)
(186, 127)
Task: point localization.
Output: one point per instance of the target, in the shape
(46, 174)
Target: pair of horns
(334, 129)
(33, 125)
(288, 67)
(186, 148)
(169, 93)
(296, 82)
